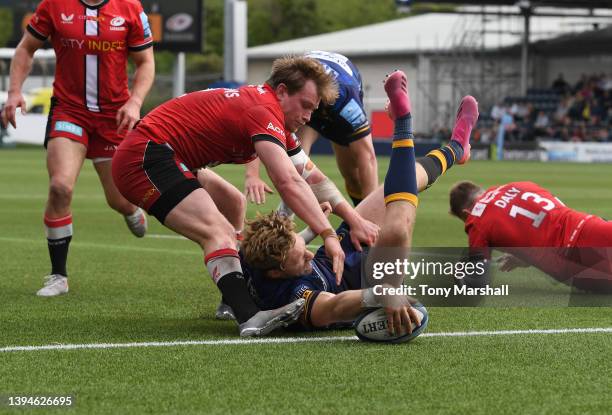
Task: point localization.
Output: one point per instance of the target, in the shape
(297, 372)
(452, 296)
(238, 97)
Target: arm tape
(326, 191)
(308, 235)
(302, 160)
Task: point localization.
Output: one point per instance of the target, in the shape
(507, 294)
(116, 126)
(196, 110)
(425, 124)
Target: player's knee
(239, 201)
(60, 191)
(220, 235)
(398, 228)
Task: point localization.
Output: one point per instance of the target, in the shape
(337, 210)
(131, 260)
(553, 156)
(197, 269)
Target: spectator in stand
(607, 83)
(497, 111)
(542, 125)
(581, 83)
(560, 85)
(577, 109)
(598, 111)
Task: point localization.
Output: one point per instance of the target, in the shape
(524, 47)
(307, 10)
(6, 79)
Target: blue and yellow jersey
(273, 293)
(345, 121)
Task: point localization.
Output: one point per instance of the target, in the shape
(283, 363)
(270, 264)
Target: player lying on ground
(345, 124)
(571, 246)
(280, 269)
(154, 168)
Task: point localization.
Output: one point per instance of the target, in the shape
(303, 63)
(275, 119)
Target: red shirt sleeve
(479, 244)
(262, 124)
(41, 23)
(140, 36)
(293, 144)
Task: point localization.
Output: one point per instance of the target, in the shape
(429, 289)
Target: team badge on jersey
(67, 19)
(117, 24)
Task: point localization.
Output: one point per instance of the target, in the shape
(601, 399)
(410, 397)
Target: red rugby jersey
(522, 214)
(91, 45)
(218, 126)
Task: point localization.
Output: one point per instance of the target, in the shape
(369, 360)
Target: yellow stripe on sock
(405, 142)
(452, 152)
(408, 197)
(440, 156)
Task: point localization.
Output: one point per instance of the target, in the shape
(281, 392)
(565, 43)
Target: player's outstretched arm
(20, 68)
(297, 194)
(331, 308)
(362, 230)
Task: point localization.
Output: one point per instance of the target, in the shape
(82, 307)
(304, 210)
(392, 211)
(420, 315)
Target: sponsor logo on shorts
(275, 129)
(67, 19)
(147, 196)
(110, 148)
(69, 127)
(353, 114)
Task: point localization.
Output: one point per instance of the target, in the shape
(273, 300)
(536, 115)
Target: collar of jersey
(93, 7)
(268, 88)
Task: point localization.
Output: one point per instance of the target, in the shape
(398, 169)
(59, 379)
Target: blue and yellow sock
(400, 181)
(437, 162)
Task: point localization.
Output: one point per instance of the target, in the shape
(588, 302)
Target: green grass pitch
(156, 290)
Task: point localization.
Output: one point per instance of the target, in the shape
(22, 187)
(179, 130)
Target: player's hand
(255, 189)
(127, 116)
(508, 262)
(14, 101)
(336, 254)
(326, 208)
(400, 318)
(363, 231)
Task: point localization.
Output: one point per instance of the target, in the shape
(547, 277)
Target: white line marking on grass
(43, 196)
(92, 245)
(281, 340)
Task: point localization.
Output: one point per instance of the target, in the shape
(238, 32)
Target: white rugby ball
(372, 326)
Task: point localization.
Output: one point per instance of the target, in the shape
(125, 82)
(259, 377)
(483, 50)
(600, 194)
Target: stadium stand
(563, 112)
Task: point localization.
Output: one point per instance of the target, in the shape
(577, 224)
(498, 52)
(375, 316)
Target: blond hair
(462, 196)
(294, 71)
(267, 240)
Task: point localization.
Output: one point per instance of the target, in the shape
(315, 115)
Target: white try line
(112, 247)
(282, 340)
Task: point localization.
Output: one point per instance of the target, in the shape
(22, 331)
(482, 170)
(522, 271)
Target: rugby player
(535, 228)
(280, 269)
(345, 124)
(154, 168)
(91, 108)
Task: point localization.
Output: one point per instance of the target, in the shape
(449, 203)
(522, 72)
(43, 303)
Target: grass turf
(154, 289)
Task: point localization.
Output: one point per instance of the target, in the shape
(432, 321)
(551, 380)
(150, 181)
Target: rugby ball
(371, 326)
